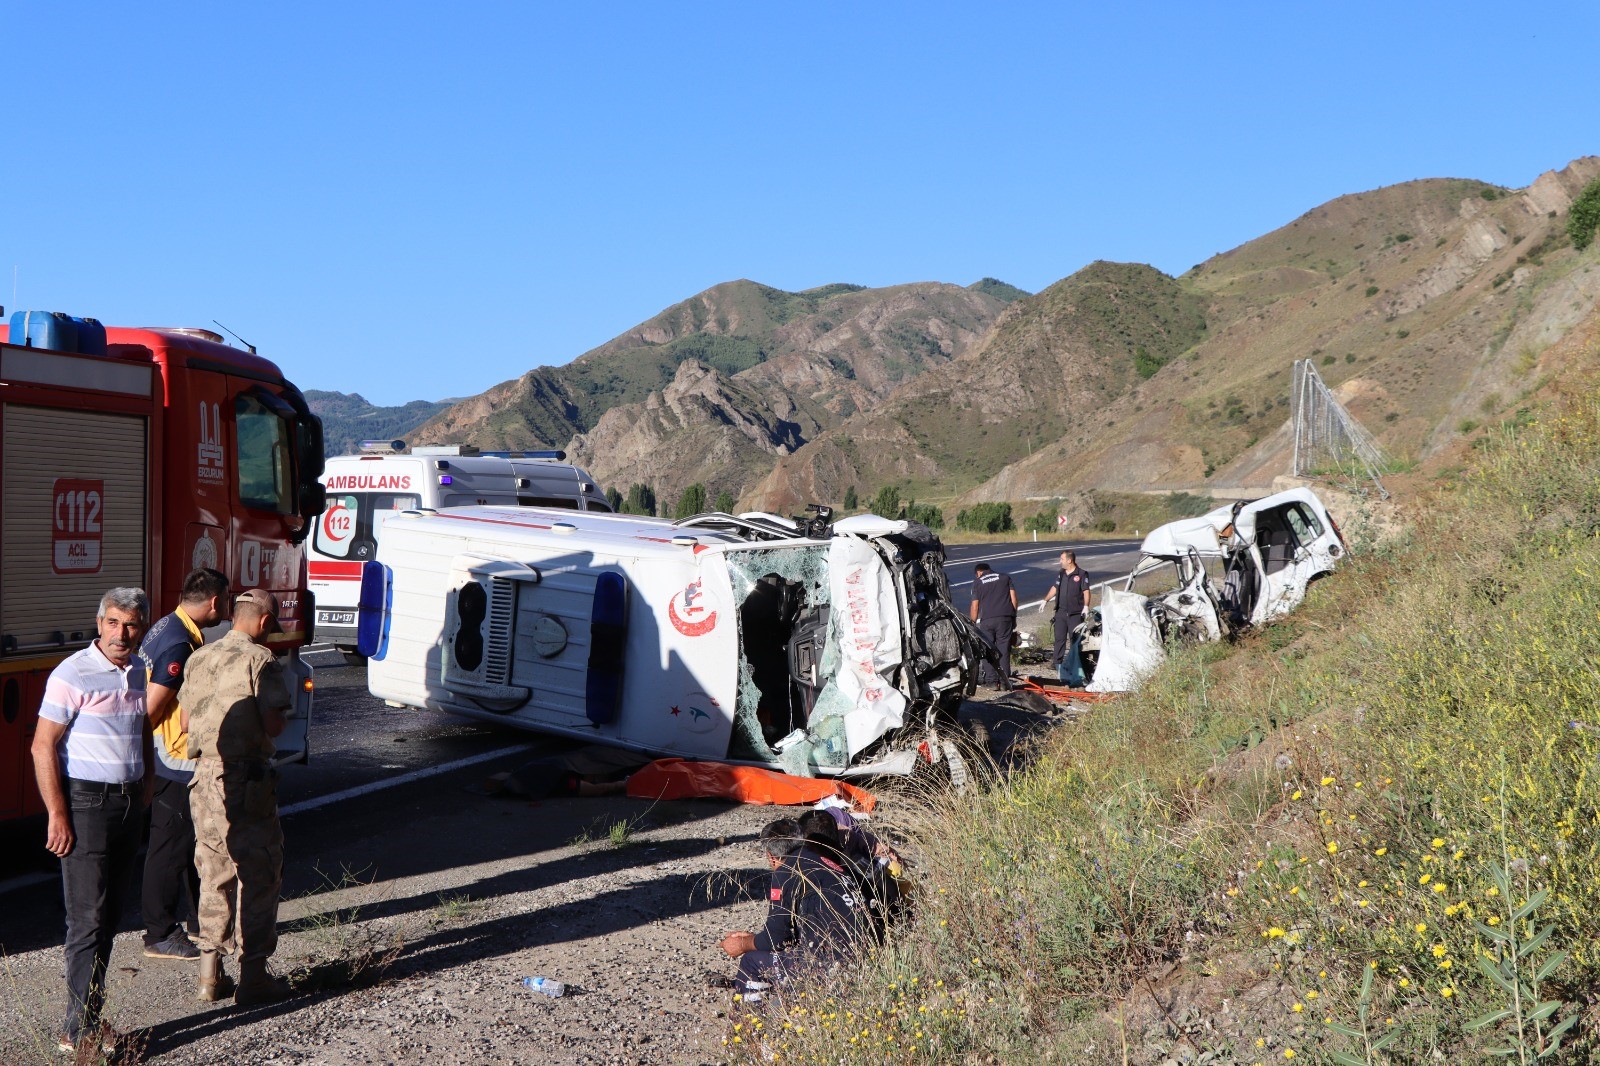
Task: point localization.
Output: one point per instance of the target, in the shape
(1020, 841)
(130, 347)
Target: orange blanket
(682, 779)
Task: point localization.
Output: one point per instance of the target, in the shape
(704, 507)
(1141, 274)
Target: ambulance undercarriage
(810, 648)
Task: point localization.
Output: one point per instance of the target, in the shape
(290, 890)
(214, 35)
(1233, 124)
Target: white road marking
(391, 782)
(29, 880)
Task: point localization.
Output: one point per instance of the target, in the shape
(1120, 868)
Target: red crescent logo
(690, 629)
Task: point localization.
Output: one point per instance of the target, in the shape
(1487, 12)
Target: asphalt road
(1032, 567)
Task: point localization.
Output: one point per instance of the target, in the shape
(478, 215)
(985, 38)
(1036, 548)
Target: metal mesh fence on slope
(1328, 442)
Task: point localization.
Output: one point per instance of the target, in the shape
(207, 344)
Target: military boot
(256, 985)
(215, 983)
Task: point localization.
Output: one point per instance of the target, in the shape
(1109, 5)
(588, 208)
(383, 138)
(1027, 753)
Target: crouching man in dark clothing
(815, 911)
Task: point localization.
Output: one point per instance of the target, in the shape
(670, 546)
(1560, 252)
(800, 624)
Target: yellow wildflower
(1438, 842)
(1439, 951)
(1333, 847)
(1422, 927)
(1298, 1007)
(1381, 851)
(1326, 781)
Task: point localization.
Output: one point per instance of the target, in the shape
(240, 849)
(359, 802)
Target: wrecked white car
(1211, 577)
(810, 647)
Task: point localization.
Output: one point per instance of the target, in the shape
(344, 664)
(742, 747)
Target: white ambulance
(806, 647)
(365, 491)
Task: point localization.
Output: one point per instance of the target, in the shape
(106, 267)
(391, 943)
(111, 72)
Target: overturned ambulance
(811, 647)
(1211, 577)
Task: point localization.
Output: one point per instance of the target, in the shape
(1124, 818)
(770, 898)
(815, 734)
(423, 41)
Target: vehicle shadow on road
(600, 861)
(660, 898)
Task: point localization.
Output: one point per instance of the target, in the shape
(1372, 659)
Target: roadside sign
(1061, 521)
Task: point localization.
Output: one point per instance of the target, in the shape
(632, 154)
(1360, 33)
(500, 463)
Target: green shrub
(886, 504)
(852, 502)
(926, 513)
(725, 502)
(1145, 364)
(1372, 290)
(1043, 520)
(1584, 217)
(986, 518)
(692, 502)
(641, 500)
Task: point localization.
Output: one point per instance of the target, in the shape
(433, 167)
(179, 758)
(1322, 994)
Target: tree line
(979, 518)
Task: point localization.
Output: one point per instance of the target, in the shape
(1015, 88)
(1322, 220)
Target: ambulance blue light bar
(389, 447)
(446, 479)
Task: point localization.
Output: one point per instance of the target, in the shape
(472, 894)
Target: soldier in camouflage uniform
(234, 699)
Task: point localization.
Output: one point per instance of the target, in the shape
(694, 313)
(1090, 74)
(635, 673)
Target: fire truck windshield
(266, 473)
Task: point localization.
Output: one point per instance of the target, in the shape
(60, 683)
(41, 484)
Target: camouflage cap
(267, 602)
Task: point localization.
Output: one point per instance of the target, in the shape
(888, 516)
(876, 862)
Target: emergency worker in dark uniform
(171, 885)
(234, 699)
(1071, 593)
(994, 608)
(815, 913)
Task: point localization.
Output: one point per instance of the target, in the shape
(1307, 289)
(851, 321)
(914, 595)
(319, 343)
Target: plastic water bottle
(545, 987)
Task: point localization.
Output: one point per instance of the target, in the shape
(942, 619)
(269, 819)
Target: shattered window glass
(783, 614)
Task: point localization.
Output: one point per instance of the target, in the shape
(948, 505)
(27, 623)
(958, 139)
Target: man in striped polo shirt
(93, 761)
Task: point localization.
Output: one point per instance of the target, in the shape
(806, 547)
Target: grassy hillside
(1000, 290)
(1365, 834)
(1427, 306)
(1050, 359)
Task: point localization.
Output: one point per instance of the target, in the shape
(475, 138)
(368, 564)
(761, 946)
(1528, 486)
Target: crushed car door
(1284, 546)
(866, 634)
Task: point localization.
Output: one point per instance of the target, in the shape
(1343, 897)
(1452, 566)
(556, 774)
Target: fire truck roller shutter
(61, 554)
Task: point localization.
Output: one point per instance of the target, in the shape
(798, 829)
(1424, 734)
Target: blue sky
(421, 200)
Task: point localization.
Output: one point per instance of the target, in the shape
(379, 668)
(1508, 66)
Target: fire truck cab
(129, 457)
(365, 491)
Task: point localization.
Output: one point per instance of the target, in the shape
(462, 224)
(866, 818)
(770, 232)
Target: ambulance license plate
(336, 618)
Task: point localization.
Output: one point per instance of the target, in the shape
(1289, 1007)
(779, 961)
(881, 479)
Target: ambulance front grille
(502, 617)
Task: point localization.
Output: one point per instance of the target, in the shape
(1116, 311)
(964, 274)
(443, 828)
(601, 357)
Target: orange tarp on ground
(683, 779)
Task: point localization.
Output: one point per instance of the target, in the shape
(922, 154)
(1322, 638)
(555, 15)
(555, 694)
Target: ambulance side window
(266, 480)
(335, 534)
(349, 528)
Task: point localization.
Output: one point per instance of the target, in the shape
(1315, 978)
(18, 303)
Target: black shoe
(717, 980)
(176, 946)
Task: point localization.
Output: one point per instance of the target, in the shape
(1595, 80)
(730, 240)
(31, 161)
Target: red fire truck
(129, 457)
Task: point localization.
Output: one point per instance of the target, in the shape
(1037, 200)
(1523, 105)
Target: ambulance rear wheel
(354, 659)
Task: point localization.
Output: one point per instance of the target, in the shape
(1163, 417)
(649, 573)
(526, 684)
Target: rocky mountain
(348, 419)
(756, 369)
(1425, 305)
